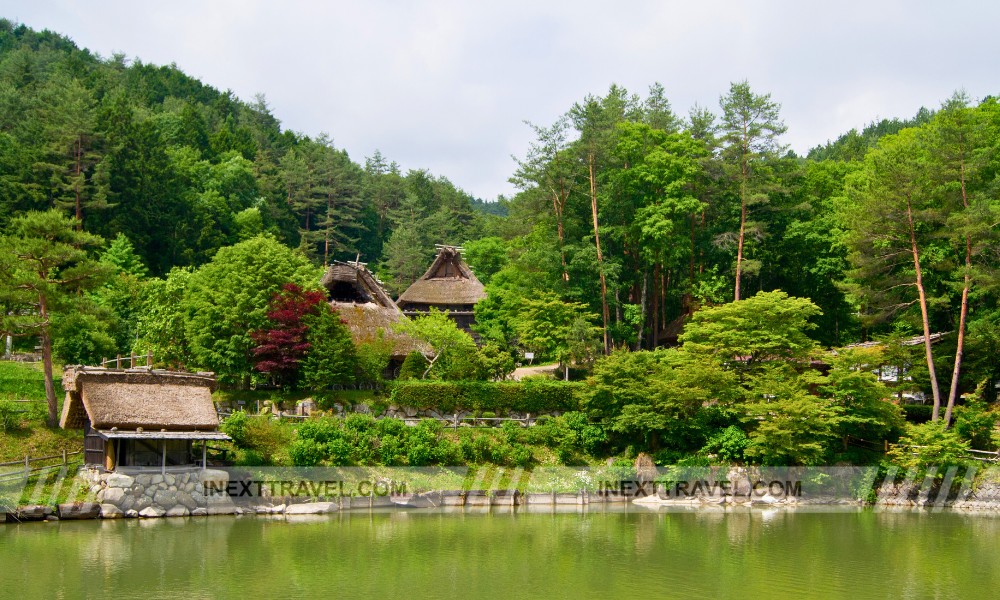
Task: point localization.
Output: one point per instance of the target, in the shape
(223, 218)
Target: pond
(629, 553)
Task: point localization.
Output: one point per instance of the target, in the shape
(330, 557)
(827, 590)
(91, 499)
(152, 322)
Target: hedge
(477, 396)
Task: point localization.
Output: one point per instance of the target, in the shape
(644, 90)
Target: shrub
(975, 423)
(589, 436)
(448, 453)
(251, 458)
(359, 422)
(339, 452)
(322, 431)
(393, 427)
(727, 445)
(413, 366)
(930, 445)
(236, 426)
(392, 450)
(307, 452)
(521, 456)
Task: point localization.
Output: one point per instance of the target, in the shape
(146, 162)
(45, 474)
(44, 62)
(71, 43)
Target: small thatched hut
(366, 308)
(449, 284)
(140, 418)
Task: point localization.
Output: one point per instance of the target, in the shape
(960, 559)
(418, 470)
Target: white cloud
(445, 85)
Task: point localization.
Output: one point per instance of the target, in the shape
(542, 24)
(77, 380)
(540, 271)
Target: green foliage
(976, 423)
(413, 366)
(331, 358)
(658, 397)
(161, 326)
(373, 358)
(306, 453)
(728, 445)
(790, 426)
(544, 326)
(44, 267)
(486, 256)
(451, 396)
(81, 339)
(493, 362)
(236, 426)
(454, 350)
(869, 413)
(121, 256)
(228, 298)
(768, 327)
(930, 445)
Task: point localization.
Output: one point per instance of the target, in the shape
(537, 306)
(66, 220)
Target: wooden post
(64, 457)
(27, 465)
(163, 463)
(149, 359)
(131, 363)
(204, 454)
(118, 362)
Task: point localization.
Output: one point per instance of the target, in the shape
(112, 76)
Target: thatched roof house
(140, 417)
(449, 284)
(365, 307)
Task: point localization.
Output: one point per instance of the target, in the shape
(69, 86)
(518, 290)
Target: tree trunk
(644, 304)
(557, 207)
(923, 314)
(960, 346)
(692, 252)
(76, 185)
(605, 313)
(653, 337)
(743, 222)
(326, 234)
(50, 390)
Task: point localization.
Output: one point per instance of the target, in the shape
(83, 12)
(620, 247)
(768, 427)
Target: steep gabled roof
(449, 280)
(132, 398)
(365, 307)
(353, 283)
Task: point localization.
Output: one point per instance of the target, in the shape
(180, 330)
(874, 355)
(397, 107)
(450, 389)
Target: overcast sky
(446, 85)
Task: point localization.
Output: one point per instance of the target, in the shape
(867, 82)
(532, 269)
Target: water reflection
(506, 553)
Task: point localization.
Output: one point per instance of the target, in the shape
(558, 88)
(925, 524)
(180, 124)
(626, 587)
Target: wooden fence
(978, 455)
(25, 467)
(130, 360)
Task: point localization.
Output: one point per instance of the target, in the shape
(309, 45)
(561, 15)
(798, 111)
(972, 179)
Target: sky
(447, 86)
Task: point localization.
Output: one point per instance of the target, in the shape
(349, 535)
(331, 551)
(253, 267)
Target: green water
(500, 554)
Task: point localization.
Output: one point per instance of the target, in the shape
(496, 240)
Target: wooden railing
(25, 468)
(130, 360)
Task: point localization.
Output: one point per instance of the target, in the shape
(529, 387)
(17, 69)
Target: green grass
(20, 381)
(23, 381)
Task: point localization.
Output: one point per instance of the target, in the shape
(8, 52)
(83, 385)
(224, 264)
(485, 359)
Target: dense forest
(197, 207)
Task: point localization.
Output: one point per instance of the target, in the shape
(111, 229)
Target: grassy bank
(22, 398)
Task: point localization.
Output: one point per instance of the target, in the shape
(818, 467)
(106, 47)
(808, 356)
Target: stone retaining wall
(153, 494)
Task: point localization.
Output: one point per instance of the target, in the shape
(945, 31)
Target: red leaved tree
(282, 345)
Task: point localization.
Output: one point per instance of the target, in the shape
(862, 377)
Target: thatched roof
(365, 321)
(133, 398)
(352, 282)
(448, 281)
(365, 307)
